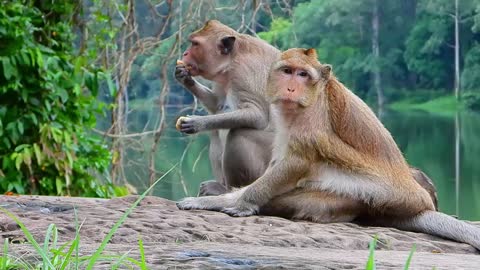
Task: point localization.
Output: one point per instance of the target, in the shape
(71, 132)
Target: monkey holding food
(333, 160)
(238, 65)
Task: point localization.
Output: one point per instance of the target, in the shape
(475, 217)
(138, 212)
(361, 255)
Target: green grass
(53, 256)
(441, 105)
(371, 257)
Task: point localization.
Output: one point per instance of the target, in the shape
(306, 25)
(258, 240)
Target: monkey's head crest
(311, 53)
(212, 27)
(307, 56)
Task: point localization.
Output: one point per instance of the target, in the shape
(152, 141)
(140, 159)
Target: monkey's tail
(439, 224)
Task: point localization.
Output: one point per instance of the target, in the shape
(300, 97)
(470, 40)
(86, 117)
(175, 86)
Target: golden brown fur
(333, 160)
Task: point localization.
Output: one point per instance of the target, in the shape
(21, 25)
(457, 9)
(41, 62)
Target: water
(429, 142)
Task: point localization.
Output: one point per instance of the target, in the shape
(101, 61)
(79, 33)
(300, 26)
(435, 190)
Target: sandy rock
(175, 239)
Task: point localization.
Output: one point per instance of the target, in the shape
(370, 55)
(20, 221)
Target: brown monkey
(238, 65)
(333, 160)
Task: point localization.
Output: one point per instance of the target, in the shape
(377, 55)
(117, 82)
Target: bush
(45, 107)
(472, 100)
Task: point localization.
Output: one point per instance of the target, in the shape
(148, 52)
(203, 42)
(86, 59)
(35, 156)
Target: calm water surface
(447, 148)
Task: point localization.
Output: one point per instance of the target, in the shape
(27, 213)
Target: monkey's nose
(290, 89)
(185, 53)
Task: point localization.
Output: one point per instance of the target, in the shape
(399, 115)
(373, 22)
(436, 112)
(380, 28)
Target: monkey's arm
(248, 117)
(210, 100)
(278, 179)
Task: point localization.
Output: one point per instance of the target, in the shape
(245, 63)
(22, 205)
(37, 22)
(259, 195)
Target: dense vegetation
(61, 61)
(47, 104)
(415, 40)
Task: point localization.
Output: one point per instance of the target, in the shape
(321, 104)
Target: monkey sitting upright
(333, 160)
(238, 65)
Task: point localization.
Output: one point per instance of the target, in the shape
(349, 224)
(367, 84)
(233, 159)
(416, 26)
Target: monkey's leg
(427, 183)
(211, 188)
(316, 206)
(217, 186)
(279, 178)
(246, 157)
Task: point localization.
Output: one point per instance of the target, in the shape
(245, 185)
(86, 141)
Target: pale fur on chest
(327, 177)
(324, 176)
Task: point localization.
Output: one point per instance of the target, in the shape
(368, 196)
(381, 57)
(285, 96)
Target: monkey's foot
(244, 210)
(211, 188)
(199, 203)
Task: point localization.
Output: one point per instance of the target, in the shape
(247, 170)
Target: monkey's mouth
(286, 103)
(192, 68)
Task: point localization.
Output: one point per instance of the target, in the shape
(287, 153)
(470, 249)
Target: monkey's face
(297, 79)
(210, 51)
(290, 86)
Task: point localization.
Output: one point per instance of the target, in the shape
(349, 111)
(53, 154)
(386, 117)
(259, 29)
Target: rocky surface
(175, 239)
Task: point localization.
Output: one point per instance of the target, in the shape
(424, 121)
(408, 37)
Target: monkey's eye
(287, 70)
(303, 74)
(194, 43)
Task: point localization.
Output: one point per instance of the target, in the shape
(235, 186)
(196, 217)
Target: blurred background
(415, 62)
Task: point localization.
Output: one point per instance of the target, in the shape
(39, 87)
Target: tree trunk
(457, 53)
(377, 80)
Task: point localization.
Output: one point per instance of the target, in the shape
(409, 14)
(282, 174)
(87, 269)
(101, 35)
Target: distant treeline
(375, 46)
(410, 44)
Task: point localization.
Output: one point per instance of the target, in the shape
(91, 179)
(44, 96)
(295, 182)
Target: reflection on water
(447, 149)
(429, 142)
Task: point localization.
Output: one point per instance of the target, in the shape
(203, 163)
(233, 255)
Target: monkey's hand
(189, 124)
(182, 75)
(242, 209)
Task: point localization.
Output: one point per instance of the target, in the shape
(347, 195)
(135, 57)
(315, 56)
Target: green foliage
(424, 49)
(471, 74)
(280, 33)
(416, 42)
(45, 107)
(472, 100)
(441, 105)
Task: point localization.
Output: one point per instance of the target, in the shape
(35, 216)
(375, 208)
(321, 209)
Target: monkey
(238, 65)
(248, 150)
(333, 160)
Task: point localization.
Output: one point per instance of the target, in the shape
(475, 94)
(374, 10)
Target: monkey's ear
(326, 71)
(311, 53)
(226, 44)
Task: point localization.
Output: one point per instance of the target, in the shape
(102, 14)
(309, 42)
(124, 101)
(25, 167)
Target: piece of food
(179, 122)
(181, 63)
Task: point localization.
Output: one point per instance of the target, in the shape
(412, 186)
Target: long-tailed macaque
(238, 65)
(333, 160)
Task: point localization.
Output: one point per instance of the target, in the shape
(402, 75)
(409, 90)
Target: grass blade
(68, 256)
(409, 259)
(142, 254)
(30, 238)
(77, 235)
(371, 256)
(5, 256)
(51, 231)
(120, 261)
(115, 227)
